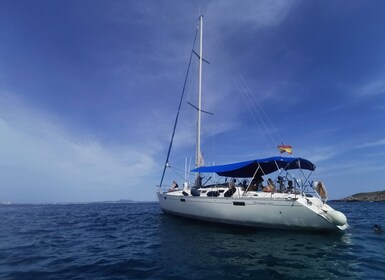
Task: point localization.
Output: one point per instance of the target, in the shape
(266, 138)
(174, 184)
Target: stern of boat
(336, 219)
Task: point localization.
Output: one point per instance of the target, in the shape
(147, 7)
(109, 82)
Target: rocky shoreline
(368, 196)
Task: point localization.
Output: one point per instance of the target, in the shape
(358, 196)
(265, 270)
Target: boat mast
(198, 157)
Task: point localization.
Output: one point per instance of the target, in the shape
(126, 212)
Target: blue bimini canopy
(246, 169)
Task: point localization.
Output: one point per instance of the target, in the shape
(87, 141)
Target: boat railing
(162, 188)
(281, 185)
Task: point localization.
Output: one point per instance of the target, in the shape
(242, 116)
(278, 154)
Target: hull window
(238, 203)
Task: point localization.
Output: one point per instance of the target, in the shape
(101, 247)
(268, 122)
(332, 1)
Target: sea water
(137, 241)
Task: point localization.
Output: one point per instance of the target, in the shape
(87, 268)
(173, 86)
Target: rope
(258, 114)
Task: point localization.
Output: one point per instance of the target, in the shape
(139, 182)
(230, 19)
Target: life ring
(321, 190)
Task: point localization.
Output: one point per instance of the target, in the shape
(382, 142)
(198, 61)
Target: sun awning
(247, 169)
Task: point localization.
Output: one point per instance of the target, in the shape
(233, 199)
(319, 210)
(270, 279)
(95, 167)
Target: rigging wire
(256, 109)
(264, 114)
(253, 112)
(258, 114)
(177, 115)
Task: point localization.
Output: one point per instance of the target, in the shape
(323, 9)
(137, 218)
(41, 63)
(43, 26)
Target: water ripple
(136, 241)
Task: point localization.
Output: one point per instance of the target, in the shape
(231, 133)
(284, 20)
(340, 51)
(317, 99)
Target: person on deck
(281, 184)
(290, 188)
(174, 186)
(232, 189)
(255, 184)
(270, 186)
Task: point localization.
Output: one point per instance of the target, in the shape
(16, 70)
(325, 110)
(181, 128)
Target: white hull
(278, 210)
(235, 206)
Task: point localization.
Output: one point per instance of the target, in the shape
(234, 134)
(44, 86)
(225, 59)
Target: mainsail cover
(246, 169)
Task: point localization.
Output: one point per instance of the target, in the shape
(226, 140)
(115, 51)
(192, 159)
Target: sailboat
(275, 192)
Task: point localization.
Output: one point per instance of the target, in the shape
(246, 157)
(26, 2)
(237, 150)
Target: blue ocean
(137, 241)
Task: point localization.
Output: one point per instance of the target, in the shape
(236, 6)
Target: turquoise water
(137, 241)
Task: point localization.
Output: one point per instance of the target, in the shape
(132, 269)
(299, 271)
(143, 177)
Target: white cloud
(374, 87)
(318, 154)
(354, 173)
(256, 14)
(380, 142)
(43, 162)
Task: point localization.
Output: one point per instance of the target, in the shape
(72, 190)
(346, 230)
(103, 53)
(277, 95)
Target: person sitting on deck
(173, 187)
(232, 183)
(232, 189)
(290, 188)
(270, 186)
(281, 184)
(244, 185)
(255, 184)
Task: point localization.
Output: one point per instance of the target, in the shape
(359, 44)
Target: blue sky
(89, 92)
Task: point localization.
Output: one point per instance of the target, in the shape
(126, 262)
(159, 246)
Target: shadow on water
(208, 250)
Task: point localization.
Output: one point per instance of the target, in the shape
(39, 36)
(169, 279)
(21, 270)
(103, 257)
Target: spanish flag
(285, 149)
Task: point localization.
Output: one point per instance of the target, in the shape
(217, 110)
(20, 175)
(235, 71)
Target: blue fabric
(247, 169)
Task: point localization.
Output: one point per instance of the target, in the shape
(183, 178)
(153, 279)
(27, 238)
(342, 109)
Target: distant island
(367, 196)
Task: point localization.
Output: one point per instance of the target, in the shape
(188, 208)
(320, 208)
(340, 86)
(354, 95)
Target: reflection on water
(219, 251)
